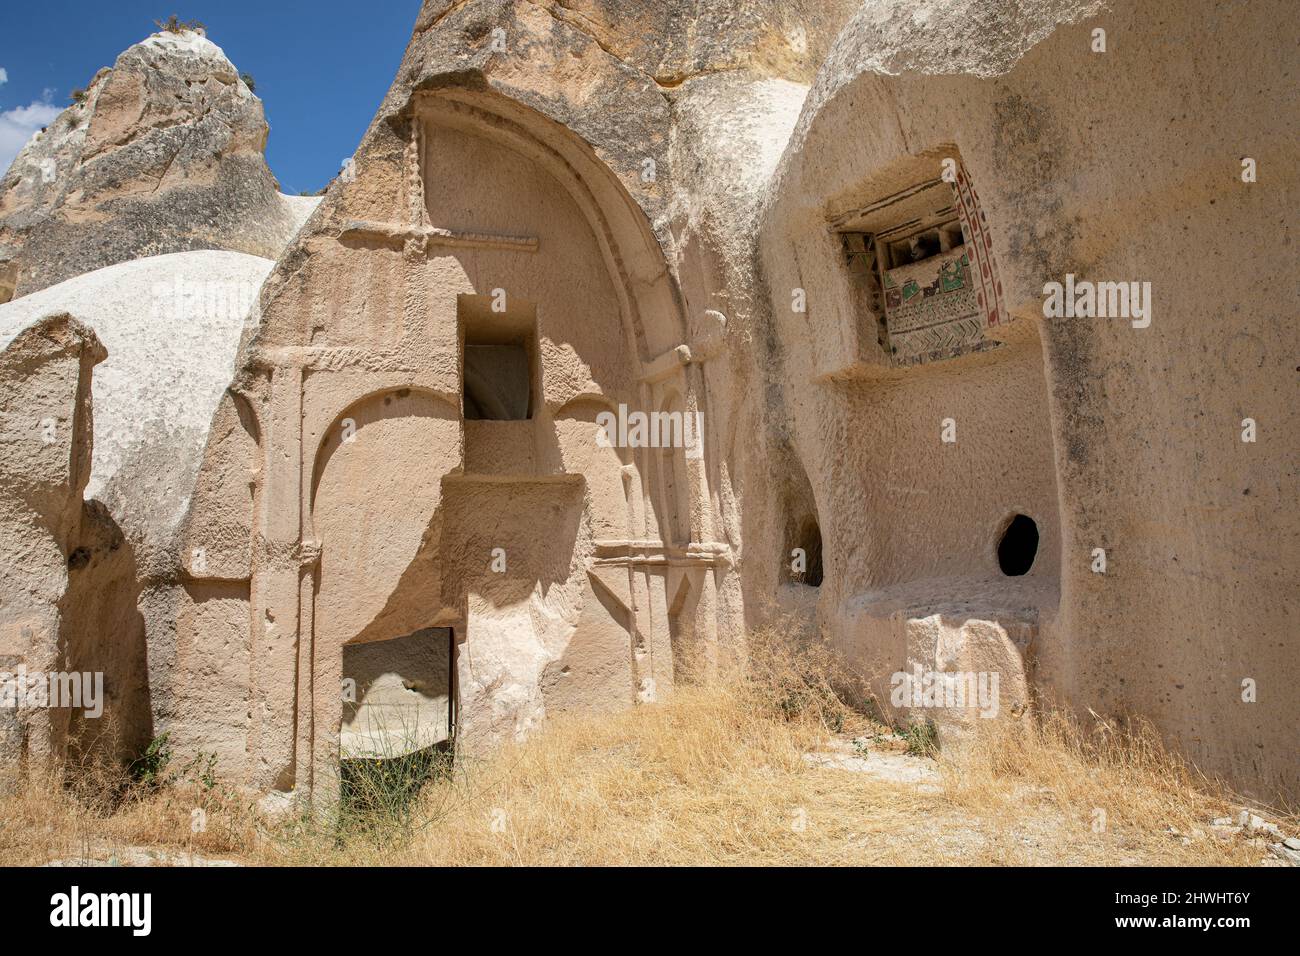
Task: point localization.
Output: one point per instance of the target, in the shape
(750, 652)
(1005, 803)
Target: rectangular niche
(400, 696)
(499, 371)
(925, 262)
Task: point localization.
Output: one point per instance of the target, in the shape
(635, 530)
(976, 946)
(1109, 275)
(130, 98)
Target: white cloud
(4, 75)
(17, 126)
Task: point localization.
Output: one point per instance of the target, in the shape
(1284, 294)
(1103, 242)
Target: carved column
(275, 589)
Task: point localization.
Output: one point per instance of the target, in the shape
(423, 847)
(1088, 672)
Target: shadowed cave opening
(499, 360)
(399, 718)
(498, 382)
(803, 533)
(810, 540)
(1018, 547)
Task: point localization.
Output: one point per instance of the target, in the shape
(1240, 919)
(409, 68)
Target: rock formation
(817, 243)
(161, 153)
(91, 218)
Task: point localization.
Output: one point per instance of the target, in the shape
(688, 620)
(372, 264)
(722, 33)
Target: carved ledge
(629, 552)
(398, 235)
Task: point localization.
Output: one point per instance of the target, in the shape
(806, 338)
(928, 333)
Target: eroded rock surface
(162, 153)
(171, 326)
(825, 228)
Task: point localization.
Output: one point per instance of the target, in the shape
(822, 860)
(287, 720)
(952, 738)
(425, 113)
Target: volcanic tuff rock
(680, 207)
(163, 153)
(171, 325)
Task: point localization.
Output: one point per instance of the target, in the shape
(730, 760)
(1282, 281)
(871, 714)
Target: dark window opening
(499, 360)
(399, 720)
(1018, 547)
(922, 245)
(498, 382)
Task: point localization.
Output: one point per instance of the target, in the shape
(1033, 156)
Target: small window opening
(914, 248)
(922, 245)
(498, 382)
(1018, 547)
(499, 362)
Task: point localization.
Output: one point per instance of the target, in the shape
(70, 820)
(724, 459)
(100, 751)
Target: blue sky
(321, 66)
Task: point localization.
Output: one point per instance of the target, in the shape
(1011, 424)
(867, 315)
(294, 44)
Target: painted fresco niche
(942, 434)
(921, 262)
(957, 439)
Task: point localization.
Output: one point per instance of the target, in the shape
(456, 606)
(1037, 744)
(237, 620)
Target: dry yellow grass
(100, 816)
(716, 775)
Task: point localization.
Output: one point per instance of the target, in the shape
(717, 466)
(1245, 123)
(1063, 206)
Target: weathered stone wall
(806, 414)
(1109, 166)
(67, 574)
(383, 498)
(676, 207)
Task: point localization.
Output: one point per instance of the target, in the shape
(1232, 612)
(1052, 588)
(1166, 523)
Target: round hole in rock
(1018, 547)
